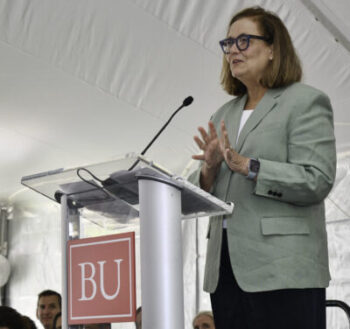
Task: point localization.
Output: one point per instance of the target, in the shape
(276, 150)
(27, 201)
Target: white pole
(161, 255)
(64, 240)
(68, 217)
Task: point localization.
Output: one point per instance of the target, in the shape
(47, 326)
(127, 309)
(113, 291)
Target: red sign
(101, 279)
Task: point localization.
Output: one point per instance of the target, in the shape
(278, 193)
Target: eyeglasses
(242, 42)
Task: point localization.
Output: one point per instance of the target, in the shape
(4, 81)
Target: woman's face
(248, 65)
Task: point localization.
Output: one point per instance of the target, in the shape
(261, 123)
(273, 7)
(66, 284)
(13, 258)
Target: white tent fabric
(85, 81)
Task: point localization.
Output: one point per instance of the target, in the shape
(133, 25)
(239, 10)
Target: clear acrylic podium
(125, 189)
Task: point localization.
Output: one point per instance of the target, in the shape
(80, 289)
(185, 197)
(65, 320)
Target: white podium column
(161, 254)
(64, 240)
(68, 217)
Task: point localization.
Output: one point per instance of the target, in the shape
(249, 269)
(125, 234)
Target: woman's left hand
(234, 160)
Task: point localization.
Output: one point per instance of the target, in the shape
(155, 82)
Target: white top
(245, 115)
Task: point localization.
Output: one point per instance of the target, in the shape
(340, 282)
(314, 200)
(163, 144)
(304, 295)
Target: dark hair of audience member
(10, 318)
(138, 310)
(49, 292)
(28, 323)
(138, 318)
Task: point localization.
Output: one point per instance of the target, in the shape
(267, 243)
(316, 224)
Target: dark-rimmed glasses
(242, 42)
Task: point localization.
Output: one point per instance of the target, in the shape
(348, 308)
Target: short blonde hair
(284, 69)
(207, 313)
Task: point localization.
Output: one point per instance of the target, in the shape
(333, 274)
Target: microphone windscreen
(187, 101)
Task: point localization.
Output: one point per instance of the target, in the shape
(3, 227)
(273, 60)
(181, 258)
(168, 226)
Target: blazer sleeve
(194, 178)
(309, 172)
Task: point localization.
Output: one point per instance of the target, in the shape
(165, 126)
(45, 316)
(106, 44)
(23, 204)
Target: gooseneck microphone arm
(187, 101)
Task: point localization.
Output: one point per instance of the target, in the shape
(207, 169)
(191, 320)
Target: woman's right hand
(212, 154)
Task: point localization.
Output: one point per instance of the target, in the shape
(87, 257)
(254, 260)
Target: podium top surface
(111, 188)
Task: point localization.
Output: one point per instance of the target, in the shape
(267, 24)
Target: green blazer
(276, 234)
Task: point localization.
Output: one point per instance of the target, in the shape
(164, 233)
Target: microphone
(187, 101)
(110, 184)
(130, 193)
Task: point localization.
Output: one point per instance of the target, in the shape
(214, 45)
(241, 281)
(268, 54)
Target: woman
(275, 159)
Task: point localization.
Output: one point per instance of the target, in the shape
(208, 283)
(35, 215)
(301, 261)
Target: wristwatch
(253, 168)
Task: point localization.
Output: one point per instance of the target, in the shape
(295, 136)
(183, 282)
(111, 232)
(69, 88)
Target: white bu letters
(91, 279)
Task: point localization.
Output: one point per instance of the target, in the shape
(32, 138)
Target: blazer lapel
(266, 104)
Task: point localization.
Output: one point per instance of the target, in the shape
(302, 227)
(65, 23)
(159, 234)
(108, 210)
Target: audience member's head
(203, 320)
(57, 321)
(10, 318)
(28, 323)
(49, 304)
(98, 326)
(138, 318)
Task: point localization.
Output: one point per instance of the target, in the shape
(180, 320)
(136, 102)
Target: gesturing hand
(210, 145)
(234, 160)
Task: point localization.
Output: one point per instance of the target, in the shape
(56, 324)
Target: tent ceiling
(86, 81)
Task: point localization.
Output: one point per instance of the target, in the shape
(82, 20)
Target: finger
(198, 141)
(204, 134)
(198, 157)
(212, 130)
(223, 126)
(228, 155)
(226, 140)
(222, 143)
(224, 135)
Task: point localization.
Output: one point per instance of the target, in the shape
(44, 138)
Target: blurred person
(10, 318)
(28, 323)
(57, 321)
(203, 320)
(49, 304)
(271, 151)
(138, 318)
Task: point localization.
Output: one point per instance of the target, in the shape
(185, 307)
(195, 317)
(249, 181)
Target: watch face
(254, 165)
